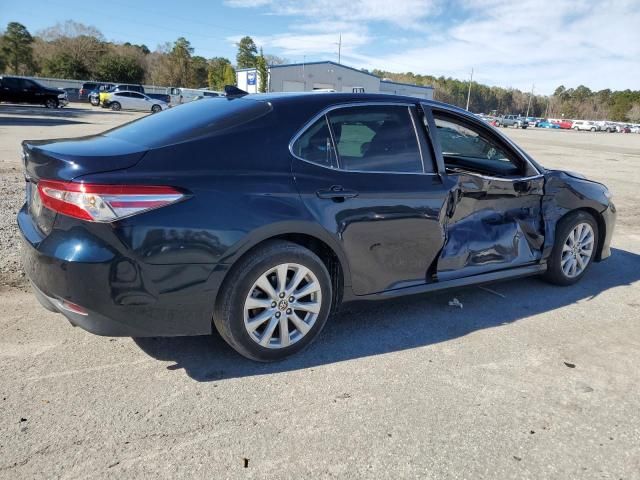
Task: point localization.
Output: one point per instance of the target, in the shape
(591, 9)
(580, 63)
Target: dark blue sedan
(259, 215)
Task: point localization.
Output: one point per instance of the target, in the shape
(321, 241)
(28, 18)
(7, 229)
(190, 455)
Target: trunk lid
(67, 159)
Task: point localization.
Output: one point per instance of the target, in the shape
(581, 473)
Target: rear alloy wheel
(593, 129)
(51, 103)
(574, 249)
(116, 107)
(275, 301)
(156, 109)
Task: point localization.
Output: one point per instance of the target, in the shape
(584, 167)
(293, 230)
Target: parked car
(565, 124)
(547, 124)
(160, 96)
(73, 94)
(625, 129)
(608, 127)
(25, 90)
(93, 94)
(585, 125)
(635, 129)
(259, 215)
(512, 121)
(85, 90)
(178, 95)
(120, 100)
(122, 87)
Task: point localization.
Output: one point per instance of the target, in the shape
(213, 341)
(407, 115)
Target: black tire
(115, 106)
(229, 311)
(51, 103)
(554, 273)
(156, 109)
(94, 102)
(593, 129)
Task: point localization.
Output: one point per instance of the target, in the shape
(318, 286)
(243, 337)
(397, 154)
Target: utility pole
(469, 91)
(339, 47)
(530, 96)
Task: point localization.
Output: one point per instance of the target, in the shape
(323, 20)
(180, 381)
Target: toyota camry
(258, 215)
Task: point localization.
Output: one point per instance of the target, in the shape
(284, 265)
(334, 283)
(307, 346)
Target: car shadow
(12, 111)
(36, 121)
(375, 328)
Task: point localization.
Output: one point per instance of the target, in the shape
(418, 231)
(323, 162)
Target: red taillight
(104, 203)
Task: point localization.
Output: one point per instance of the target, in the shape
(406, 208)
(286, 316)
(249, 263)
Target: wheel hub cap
(577, 250)
(282, 305)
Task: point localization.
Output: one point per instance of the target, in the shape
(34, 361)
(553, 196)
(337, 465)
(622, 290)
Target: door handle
(336, 193)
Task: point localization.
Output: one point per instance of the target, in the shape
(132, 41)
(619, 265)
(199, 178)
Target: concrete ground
(528, 380)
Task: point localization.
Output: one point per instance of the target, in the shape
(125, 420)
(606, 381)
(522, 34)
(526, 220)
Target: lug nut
(288, 311)
(282, 295)
(277, 314)
(291, 299)
(273, 304)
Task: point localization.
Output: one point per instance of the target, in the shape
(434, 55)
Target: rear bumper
(121, 295)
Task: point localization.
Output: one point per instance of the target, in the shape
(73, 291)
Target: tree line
(570, 103)
(76, 51)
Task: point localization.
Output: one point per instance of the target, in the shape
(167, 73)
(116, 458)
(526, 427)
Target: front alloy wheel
(575, 246)
(577, 250)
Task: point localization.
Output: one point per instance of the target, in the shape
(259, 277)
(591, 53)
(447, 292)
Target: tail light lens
(104, 203)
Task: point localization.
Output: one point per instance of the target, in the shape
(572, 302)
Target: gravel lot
(526, 381)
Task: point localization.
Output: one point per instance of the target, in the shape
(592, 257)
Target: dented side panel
(491, 224)
(564, 193)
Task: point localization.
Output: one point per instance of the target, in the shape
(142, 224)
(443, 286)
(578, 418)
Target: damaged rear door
(493, 218)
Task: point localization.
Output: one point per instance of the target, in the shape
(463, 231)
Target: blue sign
(251, 78)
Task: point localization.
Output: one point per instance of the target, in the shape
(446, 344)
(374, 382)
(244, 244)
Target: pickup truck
(512, 121)
(25, 90)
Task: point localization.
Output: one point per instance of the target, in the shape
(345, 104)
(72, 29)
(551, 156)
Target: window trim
(324, 113)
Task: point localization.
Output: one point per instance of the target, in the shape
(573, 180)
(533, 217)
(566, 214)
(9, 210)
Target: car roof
(331, 98)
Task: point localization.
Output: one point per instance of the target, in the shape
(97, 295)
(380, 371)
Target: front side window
(469, 148)
(376, 138)
(315, 144)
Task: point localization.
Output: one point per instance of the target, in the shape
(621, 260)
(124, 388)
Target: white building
(306, 77)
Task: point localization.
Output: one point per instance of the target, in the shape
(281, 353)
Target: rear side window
(376, 138)
(315, 144)
(191, 120)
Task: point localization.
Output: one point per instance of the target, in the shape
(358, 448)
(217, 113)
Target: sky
(521, 44)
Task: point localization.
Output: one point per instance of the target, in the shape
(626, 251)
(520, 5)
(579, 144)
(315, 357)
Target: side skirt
(455, 283)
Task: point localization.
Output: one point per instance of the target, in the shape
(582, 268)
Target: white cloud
(403, 13)
(511, 44)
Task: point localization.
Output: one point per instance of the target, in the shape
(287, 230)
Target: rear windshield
(191, 120)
